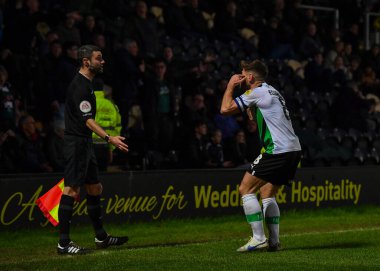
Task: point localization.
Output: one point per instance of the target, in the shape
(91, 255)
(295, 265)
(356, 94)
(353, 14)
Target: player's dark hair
(86, 51)
(257, 67)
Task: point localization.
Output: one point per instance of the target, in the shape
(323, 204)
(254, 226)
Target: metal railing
(367, 30)
(334, 10)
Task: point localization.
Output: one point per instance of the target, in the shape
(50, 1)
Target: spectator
(310, 43)
(70, 63)
(175, 21)
(238, 149)
(67, 30)
(176, 69)
(215, 151)
(143, 28)
(317, 77)
(355, 69)
(350, 109)
(88, 30)
(195, 152)
(21, 27)
(51, 84)
(107, 53)
(44, 47)
(227, 125)
(30, 146)
(196, 110)
(9, 155)
(129, 69)
(369, 81)
(352, 37)
(227, 23)
(372, 58)
(158, 109)
(55, 146)
(38, 72)
(275, 41)
(348, 53)
(213, 95)
(339, 72)
(333, 53)
(108, 117)
(10, 105)
(252, 140)
(196, 19)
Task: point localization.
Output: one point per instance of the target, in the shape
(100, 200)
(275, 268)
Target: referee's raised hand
(117, 141)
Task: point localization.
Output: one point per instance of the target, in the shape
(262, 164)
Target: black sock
(65, 213)
(94, 210)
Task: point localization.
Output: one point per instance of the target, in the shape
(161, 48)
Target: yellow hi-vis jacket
(107, 116)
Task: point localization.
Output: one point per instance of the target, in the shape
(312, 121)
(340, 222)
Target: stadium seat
(303, 114)
(193, 51)
(363, 143)
(314, 97)
(376, 143)
(224, 53)
(371, 125)
(297, 123)
(359, 154)
(354, 133)
(209, 50)
(322, 133)
(320, 162)
(322, 107)
(375, 153)
(332, 139)
(348, 142)
(336, 162)
(226, 69)
(298, 97)
(353, 161)
(329, 98)
(240, 53)
(211, 67)
(369, 161)
(311, 124)
(338, 134)
(178, 49)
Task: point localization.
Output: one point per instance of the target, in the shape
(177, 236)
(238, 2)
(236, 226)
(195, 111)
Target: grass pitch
(332, 239)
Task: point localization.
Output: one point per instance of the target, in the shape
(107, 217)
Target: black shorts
(277, 169)
(80, 161)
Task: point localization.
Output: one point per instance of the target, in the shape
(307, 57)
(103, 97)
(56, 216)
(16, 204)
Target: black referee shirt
(79, 107)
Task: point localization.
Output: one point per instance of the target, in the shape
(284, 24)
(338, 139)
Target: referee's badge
(85, 106)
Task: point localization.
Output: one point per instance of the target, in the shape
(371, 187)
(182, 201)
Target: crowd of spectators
(168, 63)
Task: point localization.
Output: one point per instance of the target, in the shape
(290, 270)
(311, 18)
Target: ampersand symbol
(281, 195)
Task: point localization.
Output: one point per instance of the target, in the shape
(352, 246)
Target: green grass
(332, 239)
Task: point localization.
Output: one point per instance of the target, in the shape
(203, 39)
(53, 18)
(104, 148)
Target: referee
(81, 167)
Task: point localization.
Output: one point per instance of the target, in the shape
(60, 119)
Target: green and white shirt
(272, 116)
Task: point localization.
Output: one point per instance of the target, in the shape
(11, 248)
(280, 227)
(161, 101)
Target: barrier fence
(155, 195)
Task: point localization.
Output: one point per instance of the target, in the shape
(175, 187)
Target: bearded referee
(81, 168)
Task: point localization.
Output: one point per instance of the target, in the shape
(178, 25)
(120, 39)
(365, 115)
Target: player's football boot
(274, 247)
(253, 244)
(111, 241)
(72, 249)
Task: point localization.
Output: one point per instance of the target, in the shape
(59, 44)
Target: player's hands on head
(117, 141)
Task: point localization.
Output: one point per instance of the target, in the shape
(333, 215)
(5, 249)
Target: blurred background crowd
(167, 66)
